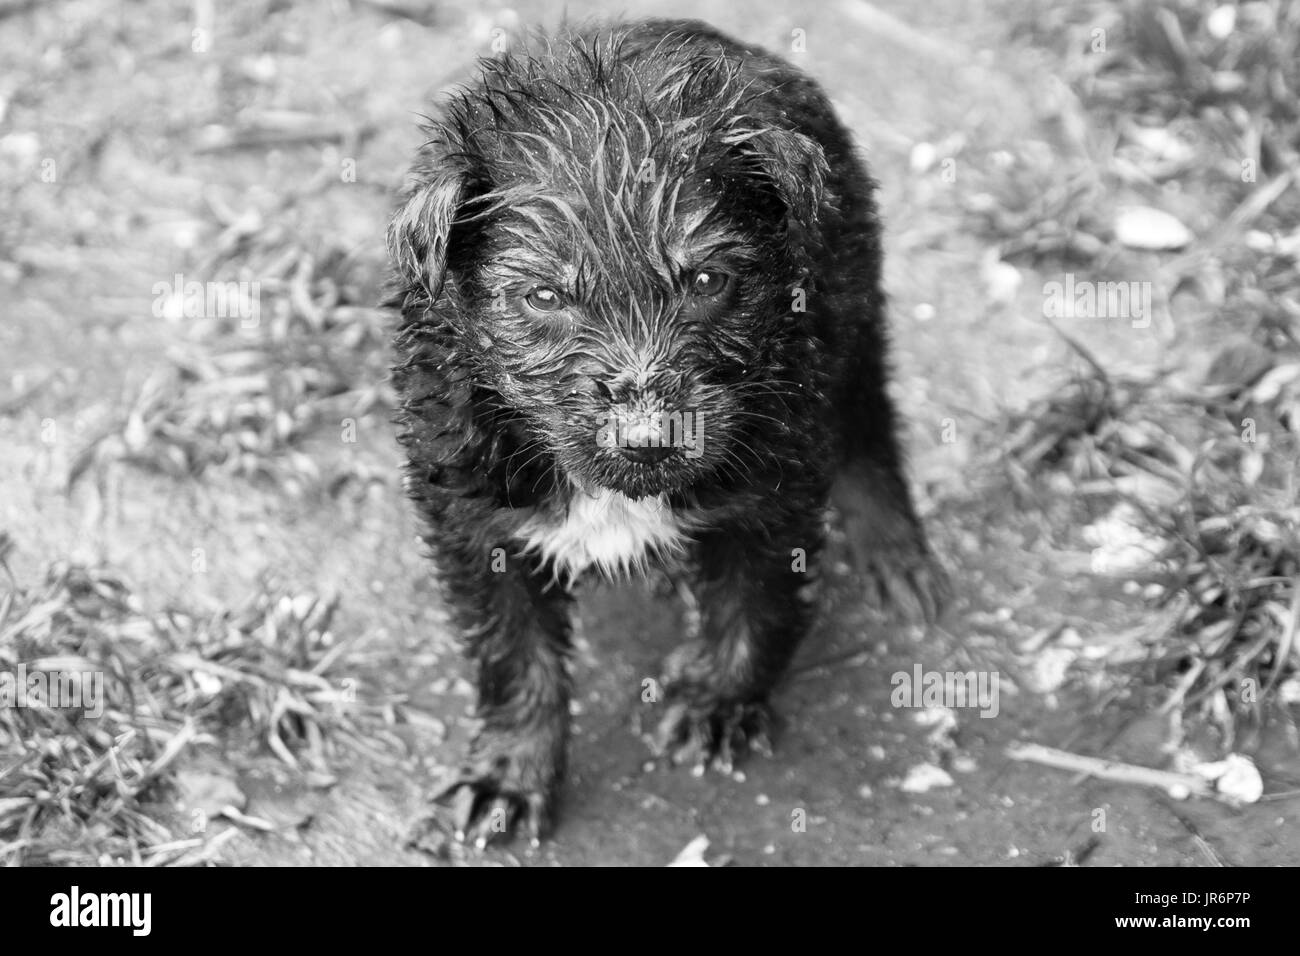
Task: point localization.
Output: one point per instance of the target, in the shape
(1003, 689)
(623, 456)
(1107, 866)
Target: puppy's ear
(792, 164)
(420, 234)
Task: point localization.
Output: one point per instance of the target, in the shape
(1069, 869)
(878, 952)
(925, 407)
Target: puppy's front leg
(517, 632)
(754, 610)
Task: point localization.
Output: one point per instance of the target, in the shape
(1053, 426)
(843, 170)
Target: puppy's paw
(712, 734)
(888, 544)
(507, 785)
(909, 581)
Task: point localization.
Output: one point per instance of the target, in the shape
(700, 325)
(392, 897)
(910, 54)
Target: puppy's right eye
(709, 282)
(544, 299)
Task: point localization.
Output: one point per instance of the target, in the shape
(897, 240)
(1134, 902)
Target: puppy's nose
(642, 443)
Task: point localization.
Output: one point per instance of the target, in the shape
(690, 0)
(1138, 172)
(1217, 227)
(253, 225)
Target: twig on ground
(1113, 770)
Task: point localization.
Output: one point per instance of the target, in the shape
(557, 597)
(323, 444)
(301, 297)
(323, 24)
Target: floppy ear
(420, 233)
(792, 164)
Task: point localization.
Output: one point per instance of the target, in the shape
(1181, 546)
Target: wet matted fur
(634, 225)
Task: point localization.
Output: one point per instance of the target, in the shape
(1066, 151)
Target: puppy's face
(617, 252)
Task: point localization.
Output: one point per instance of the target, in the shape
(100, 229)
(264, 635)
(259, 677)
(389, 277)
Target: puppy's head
(617, 243)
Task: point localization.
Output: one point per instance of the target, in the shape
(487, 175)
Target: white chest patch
(605, 530)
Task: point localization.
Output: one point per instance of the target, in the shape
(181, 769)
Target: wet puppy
(639, 278)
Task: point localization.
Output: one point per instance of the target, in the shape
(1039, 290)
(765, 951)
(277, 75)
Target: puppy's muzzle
(645, 444)
(645, 433)
(642, 425)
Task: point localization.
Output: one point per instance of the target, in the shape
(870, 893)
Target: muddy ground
(116, 94)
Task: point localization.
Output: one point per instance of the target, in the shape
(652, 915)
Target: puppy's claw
(535, 816)
(506, 786)
(760, 742)
(480, 819)
(464, 798)
(495, 822)
(915, 585)
(723, 760)
(715, 736)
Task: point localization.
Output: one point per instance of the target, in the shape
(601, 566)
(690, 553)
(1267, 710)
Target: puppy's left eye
(544, 299)
(709, 282)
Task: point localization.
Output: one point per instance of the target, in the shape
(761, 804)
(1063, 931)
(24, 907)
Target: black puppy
(639, 279)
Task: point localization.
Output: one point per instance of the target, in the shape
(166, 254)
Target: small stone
(1142, 227)
(925, 777)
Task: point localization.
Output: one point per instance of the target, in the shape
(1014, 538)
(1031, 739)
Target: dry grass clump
(82, 789)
